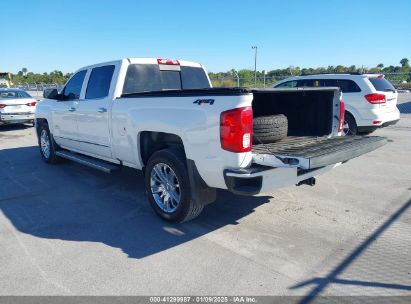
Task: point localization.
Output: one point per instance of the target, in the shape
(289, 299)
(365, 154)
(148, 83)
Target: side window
(99, 82)
(347, 86)
(306, 83)
(329, 83)
(316, 83)
(287, 84)
(73, 87)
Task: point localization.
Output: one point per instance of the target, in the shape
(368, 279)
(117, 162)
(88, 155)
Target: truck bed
(309, 152)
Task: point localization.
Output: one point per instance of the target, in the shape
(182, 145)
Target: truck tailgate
(314, 152)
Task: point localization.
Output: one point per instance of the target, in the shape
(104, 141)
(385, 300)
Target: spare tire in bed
(268, 129)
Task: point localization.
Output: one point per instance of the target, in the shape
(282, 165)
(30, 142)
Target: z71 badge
(201, 101)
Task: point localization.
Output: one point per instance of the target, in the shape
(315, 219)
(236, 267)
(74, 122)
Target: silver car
(16, 106)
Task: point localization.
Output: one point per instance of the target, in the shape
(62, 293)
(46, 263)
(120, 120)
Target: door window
(73, 87)
(99, 83)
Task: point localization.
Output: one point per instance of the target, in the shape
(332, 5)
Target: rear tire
(350, 126)
(47, 145)
(268, 129)
(168, 186)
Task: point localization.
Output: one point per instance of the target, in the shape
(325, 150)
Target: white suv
(370, 100)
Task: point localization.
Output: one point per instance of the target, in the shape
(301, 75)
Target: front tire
(168, 187)
(47, 145)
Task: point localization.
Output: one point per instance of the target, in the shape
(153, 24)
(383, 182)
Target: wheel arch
(150, 142)
(39, 123)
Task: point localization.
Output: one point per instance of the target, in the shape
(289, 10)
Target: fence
(36, 89)
(266, 82)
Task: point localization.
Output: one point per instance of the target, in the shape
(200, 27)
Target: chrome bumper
(16, 117)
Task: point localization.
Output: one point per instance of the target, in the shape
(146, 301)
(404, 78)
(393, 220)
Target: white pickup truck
(163, 117)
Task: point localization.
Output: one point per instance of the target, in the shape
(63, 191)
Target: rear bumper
(366, 129)
(383, 118)
(8, 118)
(261, 179)
(294, 160)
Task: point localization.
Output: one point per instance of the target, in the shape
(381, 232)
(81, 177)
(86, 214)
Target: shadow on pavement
(74, 203)
(321, 283)
(14, 127)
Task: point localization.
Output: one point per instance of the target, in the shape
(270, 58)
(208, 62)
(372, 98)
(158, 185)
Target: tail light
(342, 114)
(375, 98)
(2, 106)
(32, 104)
(236, 130)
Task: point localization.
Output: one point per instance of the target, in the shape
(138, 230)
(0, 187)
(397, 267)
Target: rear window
(13, 94)
(194, 78)
(381, 84)
(149, 77)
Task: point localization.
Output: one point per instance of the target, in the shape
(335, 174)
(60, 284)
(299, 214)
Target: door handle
(72, 109)
(102, 110)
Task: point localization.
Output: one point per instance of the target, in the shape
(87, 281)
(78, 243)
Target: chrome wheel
(45, 144)
(165, 187)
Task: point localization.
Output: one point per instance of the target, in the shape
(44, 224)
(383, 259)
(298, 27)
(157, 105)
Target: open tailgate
(315, 152)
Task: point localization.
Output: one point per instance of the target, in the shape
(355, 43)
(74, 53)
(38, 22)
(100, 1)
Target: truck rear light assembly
(376, 122)
(168, 61)
(32, 104)
(236, 129)
(375, 98)
(2, 106)
(342, 116)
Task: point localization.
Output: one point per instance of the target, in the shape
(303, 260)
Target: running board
(88, 161)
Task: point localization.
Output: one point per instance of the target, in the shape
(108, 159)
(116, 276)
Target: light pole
(265, 74)
(254, 47)
(235, 74)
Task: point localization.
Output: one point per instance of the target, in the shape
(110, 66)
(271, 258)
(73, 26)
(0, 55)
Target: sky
(43, 35)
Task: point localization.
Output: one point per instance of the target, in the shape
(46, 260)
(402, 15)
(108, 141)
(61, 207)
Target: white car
(162, 117)
(370, 100)
(16, 106)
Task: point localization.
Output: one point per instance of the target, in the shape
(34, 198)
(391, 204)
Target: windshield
(13, 94)
(381, 84)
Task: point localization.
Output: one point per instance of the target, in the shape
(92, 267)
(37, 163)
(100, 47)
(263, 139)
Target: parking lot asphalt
(69, 230)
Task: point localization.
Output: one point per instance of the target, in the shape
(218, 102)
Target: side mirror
(50, 93)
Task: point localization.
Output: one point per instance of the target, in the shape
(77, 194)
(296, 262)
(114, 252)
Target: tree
(405, 63)
(380, 66)
(24, 71)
